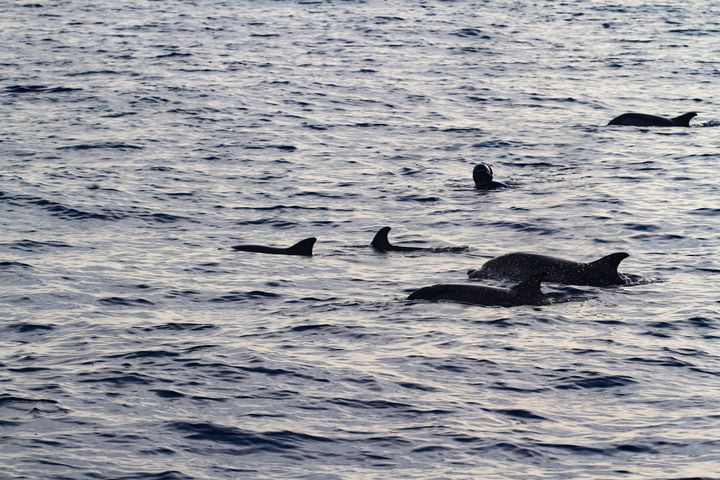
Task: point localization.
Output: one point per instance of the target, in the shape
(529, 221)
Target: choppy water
(141, 140)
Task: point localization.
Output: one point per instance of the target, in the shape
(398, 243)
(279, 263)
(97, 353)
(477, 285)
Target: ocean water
(141, 140)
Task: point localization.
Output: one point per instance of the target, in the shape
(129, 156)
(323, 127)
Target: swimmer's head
(482, 175)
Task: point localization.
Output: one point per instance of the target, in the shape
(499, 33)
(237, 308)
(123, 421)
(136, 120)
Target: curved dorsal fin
(303, 247)
(609, 264)
(380, 241)
(531, 285)
(684, 119)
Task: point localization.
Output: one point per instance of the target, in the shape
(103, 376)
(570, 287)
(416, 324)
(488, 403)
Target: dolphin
(526, 292)
(515, 266)
(380, 242)
(303, 247)
(645, 120)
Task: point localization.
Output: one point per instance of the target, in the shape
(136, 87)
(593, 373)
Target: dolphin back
(645, 120)
(303, 248)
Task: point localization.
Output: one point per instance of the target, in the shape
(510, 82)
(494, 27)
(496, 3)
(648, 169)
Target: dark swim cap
(482, 173)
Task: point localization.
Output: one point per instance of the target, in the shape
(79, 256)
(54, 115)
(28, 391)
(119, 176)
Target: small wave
(174, 54)
(30, 327)
(417, 386)
(6, 398)
(284, 148)
(244, 296)
(370, 125)
(33, 246)
(706, 212)
(92, 72)
(160, 217)
(290, 207)
(315, 126)
(504, 446)
(385, 404)
(519, 413)
(28, 369)
(165, 475)
(118, 114)
(273, 441)
(471, 32)
(144, 354)
(665, 362)
(599, 381)
(418, 198)
(473, 130)
(273, 372)
(43, 405)
(20, 89)
(306, 328)
(14, 265)
(109, 145)
(498, 144)
(703, 322)
(382, 19)
(178, 327)
(56, 209)
(525, 227)
(118, 378)
(125, 302)
(164, 393)
(368, 404)
(580, 449)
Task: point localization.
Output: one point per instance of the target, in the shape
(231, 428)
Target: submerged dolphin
(303, 247)
(380, 242)
(645, 120)
(526, 292)
(515, 266)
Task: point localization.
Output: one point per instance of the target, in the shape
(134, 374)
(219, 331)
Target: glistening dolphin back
(514, 266)
(645, 120)
(526, 292)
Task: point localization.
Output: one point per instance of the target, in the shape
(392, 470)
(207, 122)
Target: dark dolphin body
(380, 242)
(645, 120)
(525, 293)
(515, 266)
(303, 247)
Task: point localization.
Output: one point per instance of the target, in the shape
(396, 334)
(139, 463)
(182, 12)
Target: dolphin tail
(381, 241)
(303, 247)
(531, 285)
(608, 265)
(684, 119)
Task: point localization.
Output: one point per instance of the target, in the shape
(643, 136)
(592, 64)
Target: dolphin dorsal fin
(531, 285)
(609, 264)
(303, 247)
(684, 119)
(380, 241)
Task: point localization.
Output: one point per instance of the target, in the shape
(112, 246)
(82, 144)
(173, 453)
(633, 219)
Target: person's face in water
(482, 175)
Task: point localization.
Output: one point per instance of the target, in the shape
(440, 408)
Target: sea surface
(140, 140)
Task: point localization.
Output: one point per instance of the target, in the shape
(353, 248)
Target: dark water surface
(141, 140)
